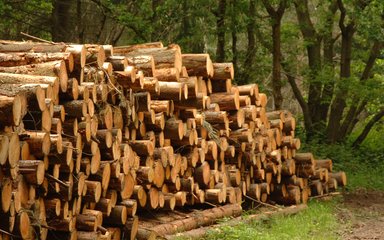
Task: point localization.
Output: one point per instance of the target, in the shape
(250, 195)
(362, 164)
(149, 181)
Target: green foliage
(363, 166)
(316, 222)
(32, 16)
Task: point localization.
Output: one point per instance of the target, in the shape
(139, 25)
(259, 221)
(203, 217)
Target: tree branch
(360, 139)
(352, 112)
(299, 96)
(343, 14)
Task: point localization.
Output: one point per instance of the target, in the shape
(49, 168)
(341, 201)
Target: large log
(14, 59)
(206, 217)
(53, 69)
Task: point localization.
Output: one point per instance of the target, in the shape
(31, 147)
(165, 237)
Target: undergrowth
(364, 165)
(318, 221)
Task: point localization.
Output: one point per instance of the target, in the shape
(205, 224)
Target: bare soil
(362, 215)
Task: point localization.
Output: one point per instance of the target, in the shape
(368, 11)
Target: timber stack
(90, 135)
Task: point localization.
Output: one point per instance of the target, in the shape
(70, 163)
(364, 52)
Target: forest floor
(361, 215)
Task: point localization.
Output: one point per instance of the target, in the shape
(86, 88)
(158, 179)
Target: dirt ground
(362, 215)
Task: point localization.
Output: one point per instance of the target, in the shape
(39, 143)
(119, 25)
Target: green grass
(318, 221)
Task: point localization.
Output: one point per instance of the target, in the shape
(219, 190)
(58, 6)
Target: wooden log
(6, 194)
(202, 174)
(176, 91)
(174, 129)
(223, 71)
(32, 170)
(143, 101)
(140, 195)
(125, 78)
(129, 48)
(12, 105)
(22, 225)
(78, 51)
(165, 106)
(39, 142)
(167, 74)
(131, 206)
(191, 83)
(118, 216)
(131, 227)
(144, 63)
(166, 57)
(95, 54)
(53, 69)
(94, 190)
(324, 163)
(304, 158)
(4, 146)
(200, 102)
(87, 222)
(226, 101)
(143, 147)
(119, 63)
(84, 235)
(10, 78)
(13, 59)
(340, 177)
(33, 94)
(198, 65)
(207, 217)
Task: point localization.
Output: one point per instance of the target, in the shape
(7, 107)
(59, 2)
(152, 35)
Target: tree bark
(251, 47)
(276, 16)
(220, 29)
(328, 42)
(314, 58)
(234, 35)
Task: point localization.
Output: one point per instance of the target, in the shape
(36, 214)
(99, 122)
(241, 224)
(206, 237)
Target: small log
(118, 216)
(167, 74)
(223, 71)
(340, 177)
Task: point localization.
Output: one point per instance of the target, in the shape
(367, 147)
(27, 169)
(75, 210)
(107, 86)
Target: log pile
(90, 135)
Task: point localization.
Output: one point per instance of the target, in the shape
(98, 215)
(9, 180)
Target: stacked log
(90, 135)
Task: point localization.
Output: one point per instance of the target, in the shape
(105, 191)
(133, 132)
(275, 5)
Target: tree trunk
(234, 36)
(276, 16)
(339, 103)
(276, 72)
(329, 42)
(220, 29)
(314, 59)
(251, 47)
(62, 27)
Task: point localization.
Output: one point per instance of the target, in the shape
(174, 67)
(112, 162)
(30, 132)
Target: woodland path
(362, 215)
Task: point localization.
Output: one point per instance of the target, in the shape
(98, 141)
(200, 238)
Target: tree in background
(329, 52)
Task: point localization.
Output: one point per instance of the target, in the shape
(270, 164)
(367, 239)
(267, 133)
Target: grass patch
(318, 221)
